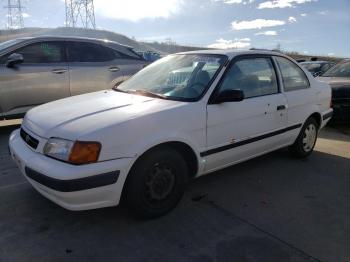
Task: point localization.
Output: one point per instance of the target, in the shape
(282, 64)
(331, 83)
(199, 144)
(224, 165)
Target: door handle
(114, 69)
(281, 107)
(59, 71)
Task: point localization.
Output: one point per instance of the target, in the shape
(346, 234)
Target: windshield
(339, 70)
(9, 43)
(177, 77)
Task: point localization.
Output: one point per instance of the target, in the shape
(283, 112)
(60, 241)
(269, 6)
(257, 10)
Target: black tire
(302, 148)
(156, 183)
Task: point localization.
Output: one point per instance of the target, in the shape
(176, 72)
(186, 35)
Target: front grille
(31, 141)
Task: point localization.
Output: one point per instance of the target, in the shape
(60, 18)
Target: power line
(80, 13)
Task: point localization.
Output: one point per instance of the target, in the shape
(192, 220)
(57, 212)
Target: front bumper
(72, 187)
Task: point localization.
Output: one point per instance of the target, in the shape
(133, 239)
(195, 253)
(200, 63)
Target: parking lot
(273, 208)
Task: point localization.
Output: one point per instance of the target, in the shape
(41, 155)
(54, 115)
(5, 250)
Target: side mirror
(235, 95)
(14, 59)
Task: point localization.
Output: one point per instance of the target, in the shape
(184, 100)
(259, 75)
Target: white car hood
(89, 112)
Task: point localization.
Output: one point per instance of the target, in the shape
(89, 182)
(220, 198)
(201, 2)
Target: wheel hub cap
(160, 182)
(309, 138)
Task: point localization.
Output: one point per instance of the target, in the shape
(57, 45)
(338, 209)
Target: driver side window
(254, 76)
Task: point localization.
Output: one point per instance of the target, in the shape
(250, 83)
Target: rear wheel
(156, 183)
(305, 143)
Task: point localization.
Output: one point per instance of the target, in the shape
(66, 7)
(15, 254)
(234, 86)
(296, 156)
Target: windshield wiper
(120, 90)
(151, 94)
(141, 92)
(148, 93)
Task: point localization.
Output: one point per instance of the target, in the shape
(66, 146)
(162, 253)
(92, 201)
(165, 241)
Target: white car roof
(233, 52)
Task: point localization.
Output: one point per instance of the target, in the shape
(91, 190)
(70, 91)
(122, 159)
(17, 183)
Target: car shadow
(335, 133)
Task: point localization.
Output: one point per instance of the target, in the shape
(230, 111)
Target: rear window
(339, 70)
(313, 68)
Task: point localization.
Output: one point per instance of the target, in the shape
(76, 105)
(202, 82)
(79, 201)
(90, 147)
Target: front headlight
(58, 148)
(74, 152)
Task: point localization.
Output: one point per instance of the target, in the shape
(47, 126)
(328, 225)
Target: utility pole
(80, 13)
(14, 14)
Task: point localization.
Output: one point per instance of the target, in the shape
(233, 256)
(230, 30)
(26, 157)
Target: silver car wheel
(309, 138)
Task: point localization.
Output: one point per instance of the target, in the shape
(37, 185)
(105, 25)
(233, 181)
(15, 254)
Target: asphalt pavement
(272, 208)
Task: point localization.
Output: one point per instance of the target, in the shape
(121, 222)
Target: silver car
(37, 70)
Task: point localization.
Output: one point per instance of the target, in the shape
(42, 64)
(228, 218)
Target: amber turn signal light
(84, 152)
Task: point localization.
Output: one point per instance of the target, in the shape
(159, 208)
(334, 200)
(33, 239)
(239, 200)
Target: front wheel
(156, 183)
(305, 142)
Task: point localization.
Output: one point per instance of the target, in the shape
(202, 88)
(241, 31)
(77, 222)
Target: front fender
(131, 138)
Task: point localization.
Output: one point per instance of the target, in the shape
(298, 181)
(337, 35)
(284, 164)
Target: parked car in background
(144, 140)
(317, 68)
(338, 77)
(38, 70)
(149, 56)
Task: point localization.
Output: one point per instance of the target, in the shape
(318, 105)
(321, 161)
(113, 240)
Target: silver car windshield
(183, 77)
(9, 43)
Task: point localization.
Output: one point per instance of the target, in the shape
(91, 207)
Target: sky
(319, 27)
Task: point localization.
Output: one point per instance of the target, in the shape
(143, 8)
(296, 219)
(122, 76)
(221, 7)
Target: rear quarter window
(293, 76)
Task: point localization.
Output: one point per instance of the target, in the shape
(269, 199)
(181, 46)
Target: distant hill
(101, 34)
(162, 48)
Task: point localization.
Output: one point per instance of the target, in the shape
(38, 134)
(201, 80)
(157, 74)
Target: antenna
(14, 14)
(80, 13)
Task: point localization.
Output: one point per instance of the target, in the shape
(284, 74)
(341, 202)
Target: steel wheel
(309, 137)
(156, 183)
(306, 140)
(159, 183)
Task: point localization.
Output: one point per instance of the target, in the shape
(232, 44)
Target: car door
(297, 90)
(42, 77)
(93, 67)
(240, 130)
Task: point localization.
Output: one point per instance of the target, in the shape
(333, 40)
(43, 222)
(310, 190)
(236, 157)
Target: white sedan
(183, 116)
